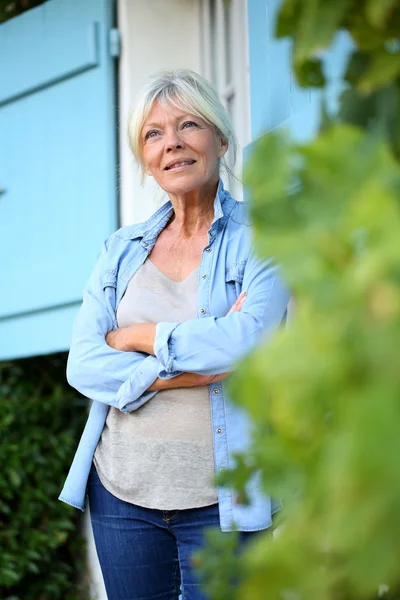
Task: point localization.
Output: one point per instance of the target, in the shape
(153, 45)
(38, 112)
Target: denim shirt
(210, 344)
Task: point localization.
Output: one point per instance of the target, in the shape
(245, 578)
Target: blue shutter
(57, 167)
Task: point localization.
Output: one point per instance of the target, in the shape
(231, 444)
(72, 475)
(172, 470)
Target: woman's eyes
(155, 132)
(189, 124)
(151, 133)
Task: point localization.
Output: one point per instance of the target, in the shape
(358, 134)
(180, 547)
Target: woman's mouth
(179, 165)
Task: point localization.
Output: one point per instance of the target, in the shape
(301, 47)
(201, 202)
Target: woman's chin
(186, 185)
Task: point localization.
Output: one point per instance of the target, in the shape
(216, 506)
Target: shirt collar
(219, 201)
(150, 229)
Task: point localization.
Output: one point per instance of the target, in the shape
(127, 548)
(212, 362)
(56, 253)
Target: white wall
(156, 34)
(96, 583)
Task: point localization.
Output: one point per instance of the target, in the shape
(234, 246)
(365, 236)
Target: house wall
(156, 35)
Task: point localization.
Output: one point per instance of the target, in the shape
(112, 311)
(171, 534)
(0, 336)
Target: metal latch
(115, 42)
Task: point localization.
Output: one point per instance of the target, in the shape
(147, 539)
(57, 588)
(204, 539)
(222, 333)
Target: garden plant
(324, 392)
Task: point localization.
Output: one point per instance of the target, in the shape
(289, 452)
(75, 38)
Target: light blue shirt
(210, 344)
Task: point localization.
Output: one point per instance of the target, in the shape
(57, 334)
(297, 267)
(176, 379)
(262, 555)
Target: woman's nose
(173, 141)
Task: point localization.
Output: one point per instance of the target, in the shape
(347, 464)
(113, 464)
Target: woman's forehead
(163, 109)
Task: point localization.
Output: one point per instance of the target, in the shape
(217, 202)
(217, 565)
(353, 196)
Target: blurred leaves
(323, 393)
(222, 549)
(40, 551)
(311, 24)
(373, 24)
(332, 377)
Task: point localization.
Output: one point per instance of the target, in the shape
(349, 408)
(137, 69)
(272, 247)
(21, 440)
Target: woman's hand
(116, 339)
(140, 336)
(186, 380)
(237, 306)
(136, 338)
(194, 379)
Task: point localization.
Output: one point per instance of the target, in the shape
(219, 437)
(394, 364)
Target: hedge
(41, 551)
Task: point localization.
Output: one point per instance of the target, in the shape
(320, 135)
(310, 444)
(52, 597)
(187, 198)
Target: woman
(171, 306)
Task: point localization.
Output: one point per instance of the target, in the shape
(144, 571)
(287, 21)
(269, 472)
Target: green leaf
(317, 23)
(379, 12)
(287, 18)
(309, 73)
(384, 68)
(357, 66)
(15, 477)
(356, 108)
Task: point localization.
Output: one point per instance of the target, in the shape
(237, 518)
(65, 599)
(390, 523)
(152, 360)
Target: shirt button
(145, 244)
(216, 391)
(208, 249)
(219, 430)
(211, 233)
(202, 311)
(204, 276)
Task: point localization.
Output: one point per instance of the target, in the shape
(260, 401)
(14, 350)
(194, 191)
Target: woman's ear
(223, 146)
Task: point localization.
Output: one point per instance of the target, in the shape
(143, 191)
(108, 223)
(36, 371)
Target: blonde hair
(187, 91)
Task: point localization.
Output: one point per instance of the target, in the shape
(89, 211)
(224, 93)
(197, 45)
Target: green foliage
(222, 549)
(324, 392)
(373, 24)
(13, 8)
(40, 552)
(328, 385)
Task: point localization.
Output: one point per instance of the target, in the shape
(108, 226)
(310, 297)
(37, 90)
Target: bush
(40, 421)
(324, 393)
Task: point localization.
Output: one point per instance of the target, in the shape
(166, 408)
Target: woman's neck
(193, 212)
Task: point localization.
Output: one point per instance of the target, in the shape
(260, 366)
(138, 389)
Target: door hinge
(115, 42)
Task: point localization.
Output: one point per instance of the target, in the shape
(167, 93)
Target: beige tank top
(161, 455)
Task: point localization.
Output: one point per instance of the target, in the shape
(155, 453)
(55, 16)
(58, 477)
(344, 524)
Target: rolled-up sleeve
(133, 393)
(164, 348)
(96, 370)
(212, 345)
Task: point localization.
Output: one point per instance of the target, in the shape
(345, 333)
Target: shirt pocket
(234, 280)
(109, 283)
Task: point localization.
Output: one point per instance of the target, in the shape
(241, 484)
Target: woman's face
(180, 151)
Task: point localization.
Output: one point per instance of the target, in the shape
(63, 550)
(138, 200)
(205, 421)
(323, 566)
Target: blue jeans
(144, 553)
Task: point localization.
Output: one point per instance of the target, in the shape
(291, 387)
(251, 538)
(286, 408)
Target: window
(225, 63)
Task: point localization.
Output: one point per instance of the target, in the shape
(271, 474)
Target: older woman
(171, 306)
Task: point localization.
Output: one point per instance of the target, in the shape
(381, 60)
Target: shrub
(324, 393)
(40, 551)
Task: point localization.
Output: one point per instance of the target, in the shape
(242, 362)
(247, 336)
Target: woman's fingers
(111, 339)
(219, 377)
(237, 306)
